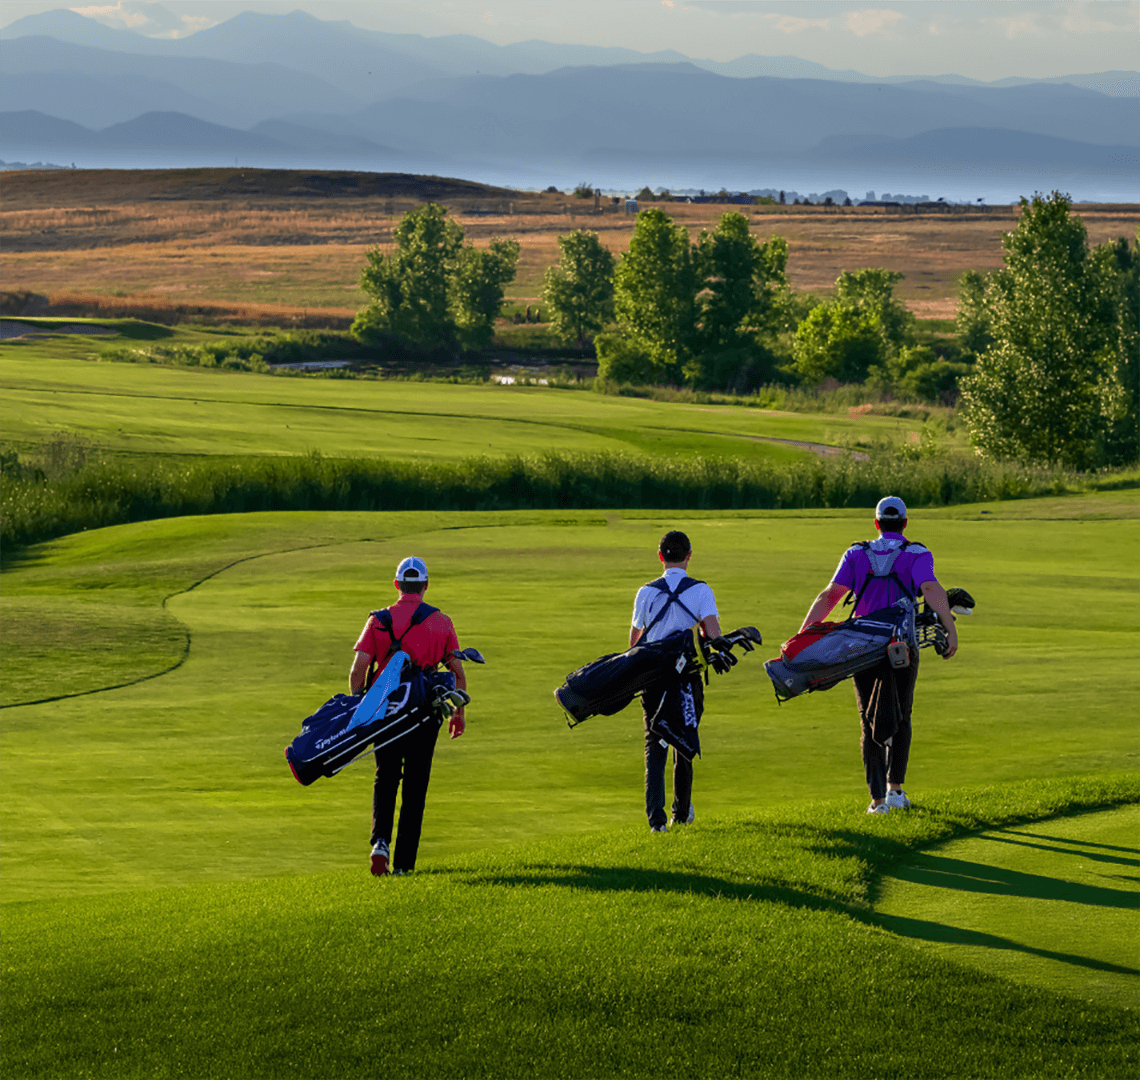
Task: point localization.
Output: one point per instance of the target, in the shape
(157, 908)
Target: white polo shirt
(698, 599)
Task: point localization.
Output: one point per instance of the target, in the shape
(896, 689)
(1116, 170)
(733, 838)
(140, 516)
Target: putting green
(1052, 905)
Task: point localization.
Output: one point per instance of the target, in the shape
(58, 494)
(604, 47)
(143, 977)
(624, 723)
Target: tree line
(1046, 357)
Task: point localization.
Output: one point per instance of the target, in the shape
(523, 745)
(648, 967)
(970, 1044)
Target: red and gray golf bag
(824, 654)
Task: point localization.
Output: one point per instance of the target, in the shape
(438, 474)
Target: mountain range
(295, 90)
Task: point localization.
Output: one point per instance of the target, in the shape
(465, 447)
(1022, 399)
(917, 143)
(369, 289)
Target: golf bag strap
(384, 618)
(662, 586)
(890, 575)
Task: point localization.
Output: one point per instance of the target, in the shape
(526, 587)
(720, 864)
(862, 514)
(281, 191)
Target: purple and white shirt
(914, 566)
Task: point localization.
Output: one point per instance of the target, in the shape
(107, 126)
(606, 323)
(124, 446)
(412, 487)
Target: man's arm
(358, 674)
(710, 626)
(935, 597)
(822, 604)
(458, 724)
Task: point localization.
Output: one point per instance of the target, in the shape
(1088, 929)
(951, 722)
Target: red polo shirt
(426, 644)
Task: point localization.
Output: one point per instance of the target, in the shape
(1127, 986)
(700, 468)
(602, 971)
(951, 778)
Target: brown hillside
(37, 189)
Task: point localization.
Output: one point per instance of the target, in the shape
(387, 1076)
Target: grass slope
(741, 946)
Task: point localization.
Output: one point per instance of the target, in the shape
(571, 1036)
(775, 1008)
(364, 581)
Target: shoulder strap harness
(882, 566)
(384, 618)
(662, 586)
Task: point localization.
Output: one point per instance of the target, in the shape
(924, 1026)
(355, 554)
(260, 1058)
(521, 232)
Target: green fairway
(141, 409)
(253, 618)
(1051, 905)
(175, 904)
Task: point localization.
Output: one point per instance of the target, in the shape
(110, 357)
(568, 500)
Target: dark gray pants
(407, 761)
(657, 755)
(885, 697)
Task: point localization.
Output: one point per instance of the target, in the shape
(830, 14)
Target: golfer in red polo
(428, 637)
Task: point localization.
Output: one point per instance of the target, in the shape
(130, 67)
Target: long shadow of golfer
(953, 935)
(946, 873)
(1131, 856)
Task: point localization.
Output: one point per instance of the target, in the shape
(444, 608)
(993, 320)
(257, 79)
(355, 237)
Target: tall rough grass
(35, 507)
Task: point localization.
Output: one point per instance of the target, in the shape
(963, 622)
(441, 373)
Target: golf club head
(747, 637)
(961, 602)
(468, 654)
(458, 698)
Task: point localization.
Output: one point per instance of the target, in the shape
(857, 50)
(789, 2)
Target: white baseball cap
(892, 508)
(412, 569)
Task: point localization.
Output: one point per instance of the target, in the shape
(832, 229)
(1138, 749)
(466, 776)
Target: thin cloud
(1020, 26)
(791, 24)
(872, 21)
(1081, 21)
(113, 11)
(150, 18)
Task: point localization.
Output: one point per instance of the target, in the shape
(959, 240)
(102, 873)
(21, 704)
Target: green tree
(973, 323)
(872, 291)
(862, 329)
(1120, 383)
(917, 371)
(839, 342)
(654, 303)
(578, 293)
(1053, 376)
(477, 287)
(433, 290)
(741, 282)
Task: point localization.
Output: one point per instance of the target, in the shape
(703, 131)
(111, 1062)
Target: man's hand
(457, 725)
(935, 597)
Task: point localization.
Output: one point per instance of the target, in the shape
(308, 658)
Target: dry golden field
(291, 244)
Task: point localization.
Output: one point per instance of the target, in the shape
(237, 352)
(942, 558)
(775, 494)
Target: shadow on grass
(952, 935)
(1048, 843)
(603, 879)
(945, 873)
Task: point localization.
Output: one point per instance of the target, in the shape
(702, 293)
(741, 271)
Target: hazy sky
(984, 39)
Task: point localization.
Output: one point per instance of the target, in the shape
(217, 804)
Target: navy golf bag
(330, 739)
(607, 685)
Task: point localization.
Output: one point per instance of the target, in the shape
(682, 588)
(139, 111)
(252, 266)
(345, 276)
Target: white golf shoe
(897, 800)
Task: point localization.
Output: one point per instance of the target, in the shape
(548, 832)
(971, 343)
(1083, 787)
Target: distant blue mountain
(160, 134)
(373, 64)
(294, 88)
(28, 130)
(680, 110)
(239, 94)
(176, 131)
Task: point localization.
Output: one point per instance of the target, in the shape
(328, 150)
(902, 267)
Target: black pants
(657, 756)
(408, 760)
(885, 697)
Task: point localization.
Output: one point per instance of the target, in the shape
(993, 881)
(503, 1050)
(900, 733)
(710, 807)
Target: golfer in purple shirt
(879, 573)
